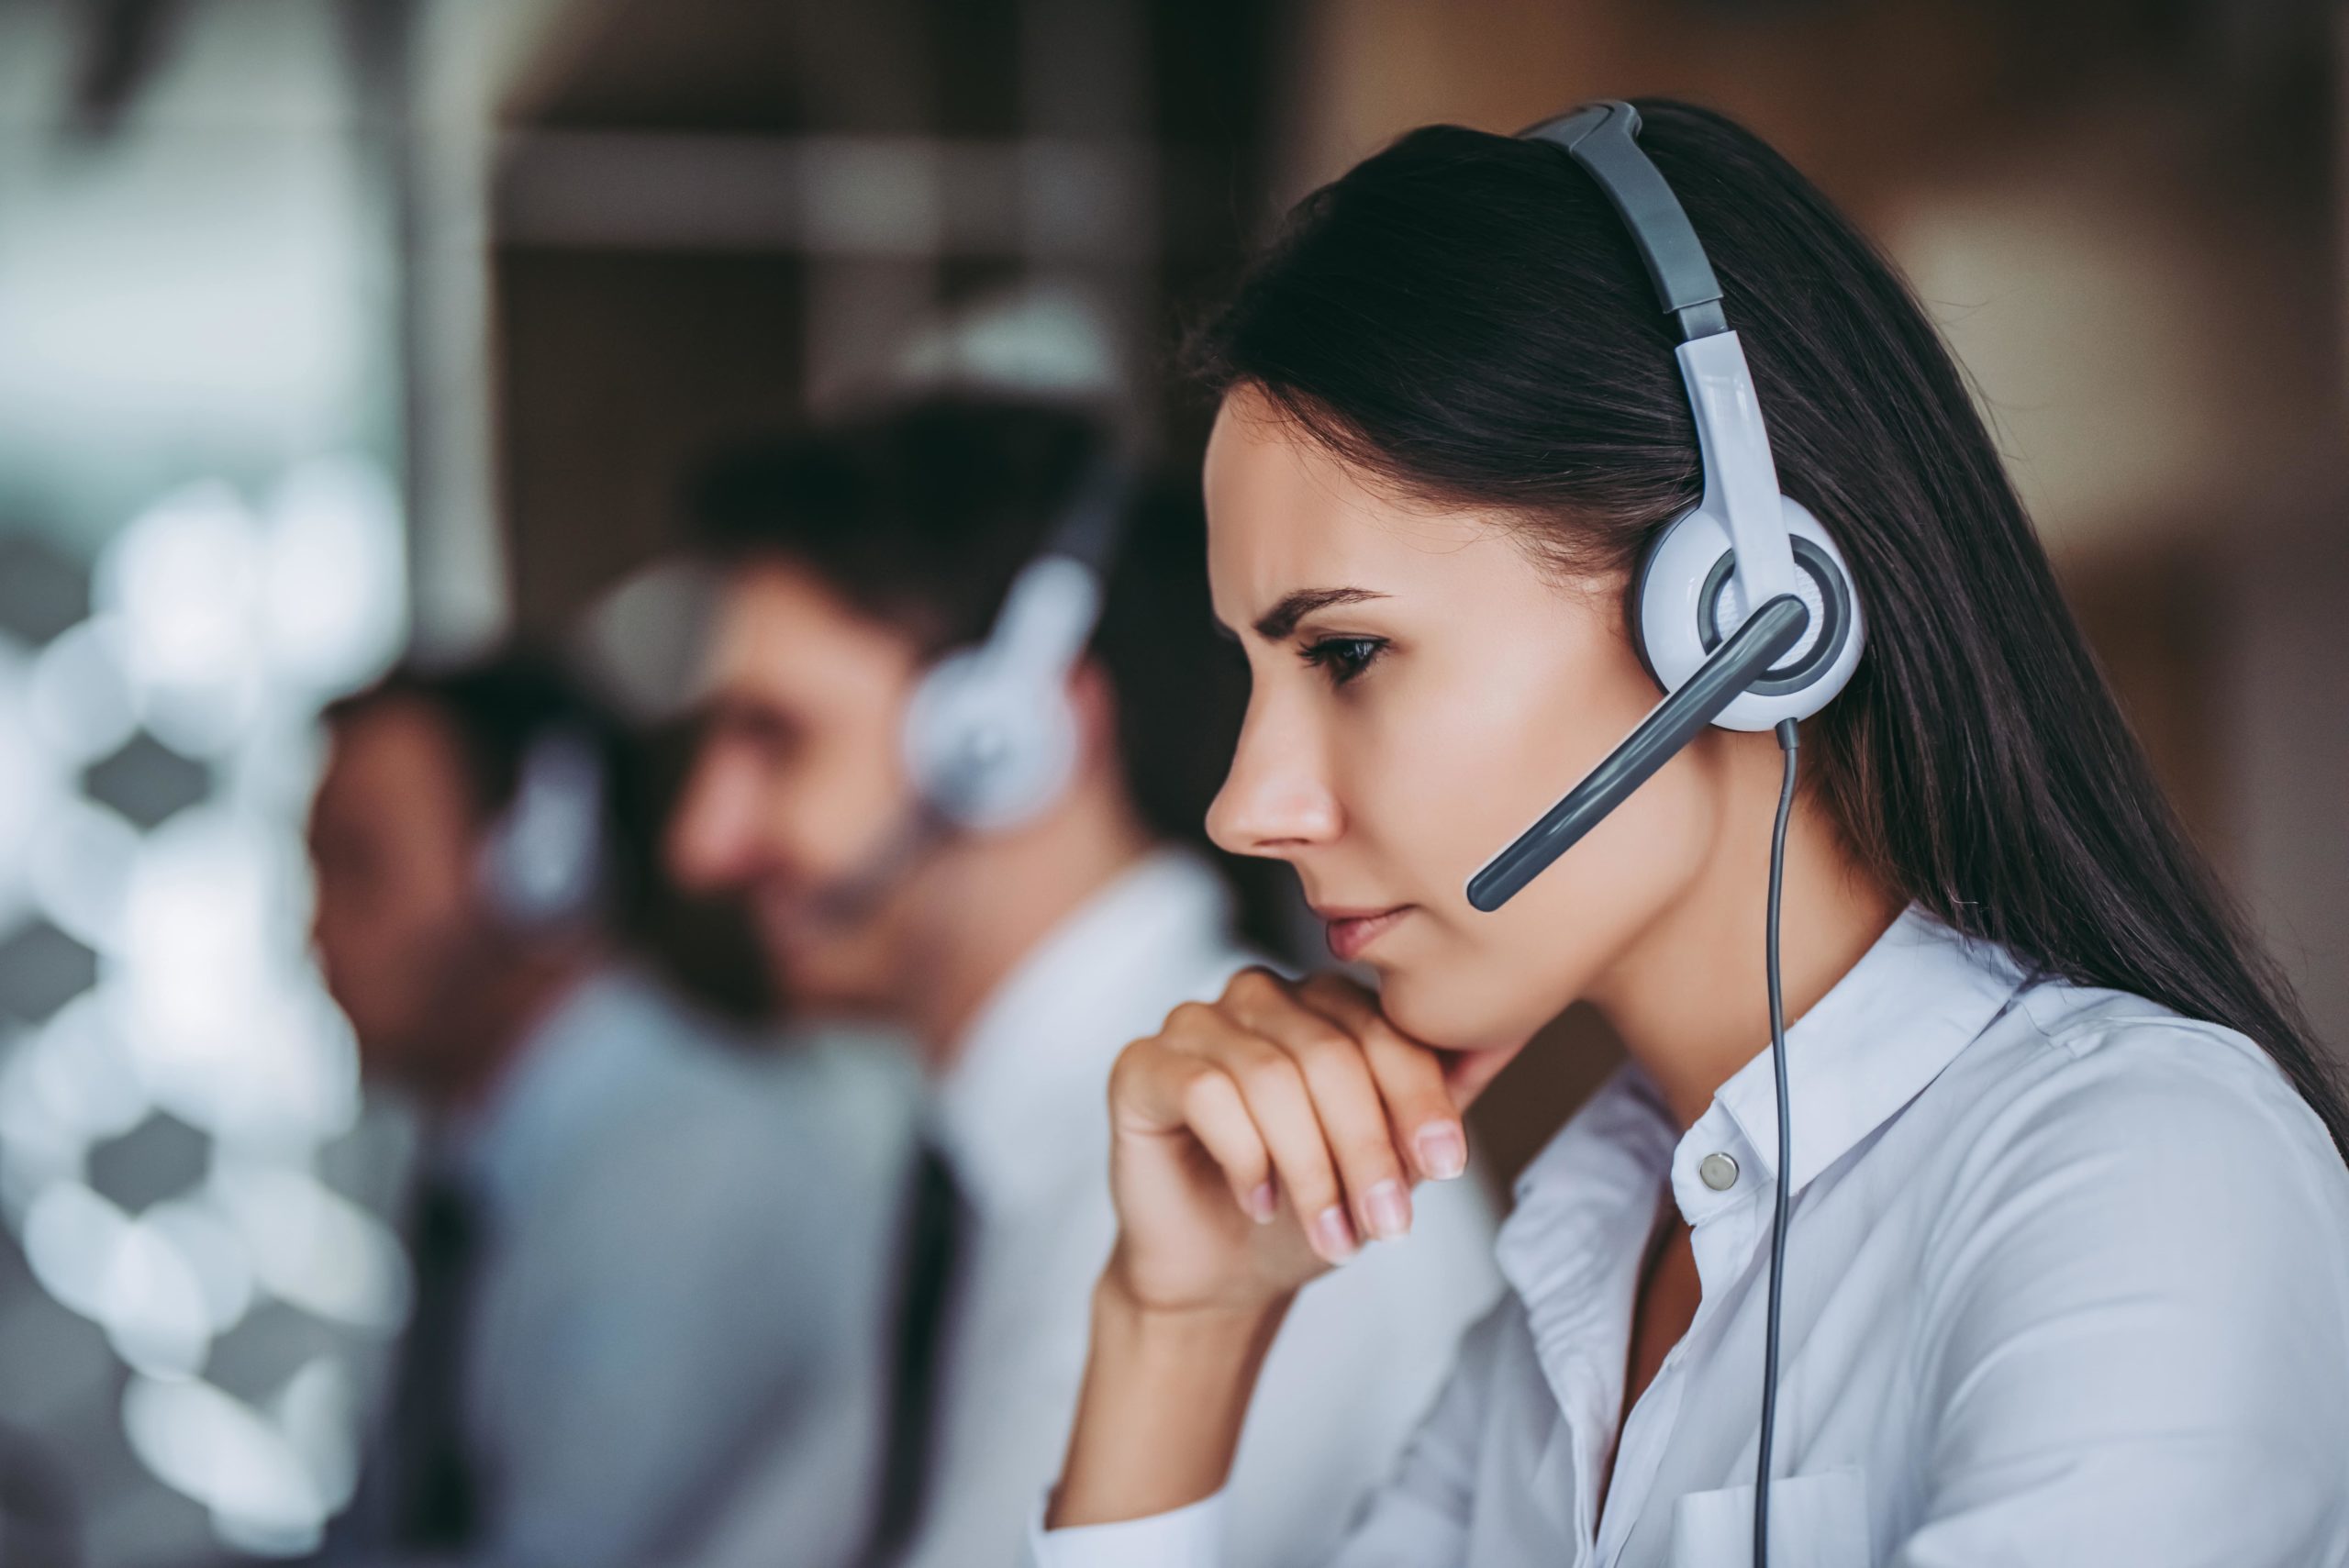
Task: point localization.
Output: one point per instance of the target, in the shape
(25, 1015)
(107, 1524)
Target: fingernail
(1443, 1150)
(1262, 1204)
(1333, 1235)
(1388, 1208)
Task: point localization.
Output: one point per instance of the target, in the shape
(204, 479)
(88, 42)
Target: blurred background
(334, 329)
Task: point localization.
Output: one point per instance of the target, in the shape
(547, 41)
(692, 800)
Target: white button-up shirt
(1022, 1116)
(666, 1358)
(2068, 1284)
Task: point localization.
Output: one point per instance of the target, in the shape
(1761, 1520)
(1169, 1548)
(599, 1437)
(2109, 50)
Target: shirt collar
(1021, 1102)
(1572, 1244)
(1916, 998)
(1919, 995)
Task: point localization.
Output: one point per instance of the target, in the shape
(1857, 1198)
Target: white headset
(990, 738)
(542, 865)
(1693, 602)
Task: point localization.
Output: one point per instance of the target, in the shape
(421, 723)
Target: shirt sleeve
(1417, 1519)
(1366, 1352)
(1187, 1537)
(2134, 1344)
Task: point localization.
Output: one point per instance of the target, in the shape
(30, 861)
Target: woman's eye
(1343, 658)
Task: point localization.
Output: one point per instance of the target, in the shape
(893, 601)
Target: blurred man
(1021, 959)
(635, 1249)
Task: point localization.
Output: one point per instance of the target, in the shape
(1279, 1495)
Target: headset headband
(1741, 481)
(1604, 139)
(1093, 520)
(1741, 499)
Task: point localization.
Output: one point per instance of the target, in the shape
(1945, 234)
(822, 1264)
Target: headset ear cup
(1636, 598)
(1679, 585)
(989, 746)
(541, 863)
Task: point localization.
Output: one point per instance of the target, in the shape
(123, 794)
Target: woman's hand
(1263, 1137)
(1255, 1140)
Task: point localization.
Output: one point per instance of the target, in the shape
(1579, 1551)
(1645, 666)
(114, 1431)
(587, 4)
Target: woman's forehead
(1285, 514)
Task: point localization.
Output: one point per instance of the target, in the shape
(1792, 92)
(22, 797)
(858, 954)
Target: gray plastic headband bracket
(1604, 139)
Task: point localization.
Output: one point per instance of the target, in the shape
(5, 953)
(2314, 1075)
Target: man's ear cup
(990, 744)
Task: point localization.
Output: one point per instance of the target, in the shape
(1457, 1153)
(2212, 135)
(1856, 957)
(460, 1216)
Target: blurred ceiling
(776, 68)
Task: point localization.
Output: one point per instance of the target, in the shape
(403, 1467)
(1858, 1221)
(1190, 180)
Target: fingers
(1344, 1097)
(1304, 1093)
(1283, 1108)
(1158, 1087)
(1411, 1077)
(1218, 1119)
(1272, 1091)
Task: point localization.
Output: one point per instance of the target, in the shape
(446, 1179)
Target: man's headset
(544, 861)
(1742, 545)
(990, 736)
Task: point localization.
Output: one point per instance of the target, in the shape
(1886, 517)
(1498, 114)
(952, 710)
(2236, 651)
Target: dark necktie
(39, 1517)
(932, 1243)
(433, 1504)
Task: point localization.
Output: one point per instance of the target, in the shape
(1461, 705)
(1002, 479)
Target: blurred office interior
(334, 328)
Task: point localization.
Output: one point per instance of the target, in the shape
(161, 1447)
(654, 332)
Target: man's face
(800, 783)
(393, 838)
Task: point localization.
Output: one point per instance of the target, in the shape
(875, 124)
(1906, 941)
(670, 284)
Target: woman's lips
(1350, 933)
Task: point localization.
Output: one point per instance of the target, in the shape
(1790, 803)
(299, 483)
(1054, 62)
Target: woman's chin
(1449, 1015)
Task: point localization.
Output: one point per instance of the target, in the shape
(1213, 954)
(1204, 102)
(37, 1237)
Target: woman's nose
(1275, 801)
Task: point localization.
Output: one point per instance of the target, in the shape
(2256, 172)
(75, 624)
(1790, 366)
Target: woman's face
(1422, 692)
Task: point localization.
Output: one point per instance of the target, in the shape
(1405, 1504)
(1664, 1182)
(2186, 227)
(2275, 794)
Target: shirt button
(1719, 1172)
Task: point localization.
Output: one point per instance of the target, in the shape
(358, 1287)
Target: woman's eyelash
(1342, 658)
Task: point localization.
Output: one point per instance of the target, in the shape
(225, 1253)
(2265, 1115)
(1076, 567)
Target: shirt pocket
(1818, 1520)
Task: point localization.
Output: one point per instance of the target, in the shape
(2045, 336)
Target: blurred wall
(710, 219)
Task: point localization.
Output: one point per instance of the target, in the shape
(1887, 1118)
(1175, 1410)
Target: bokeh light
(182, 705)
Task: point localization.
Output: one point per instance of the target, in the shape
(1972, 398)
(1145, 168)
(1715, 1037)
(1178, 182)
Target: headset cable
(1788, 743)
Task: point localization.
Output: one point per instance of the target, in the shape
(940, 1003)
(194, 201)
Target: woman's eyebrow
(1281, 620)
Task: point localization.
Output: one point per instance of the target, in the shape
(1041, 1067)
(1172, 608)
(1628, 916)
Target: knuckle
(1409, 1080)
(1271, 1073)
(1254, 983)
(1367, 1155)
(1207, 1092)
(1191, 1018)
(1425, 1095)
(1326, 1046)
(1131, 1064)
(1312, 1191)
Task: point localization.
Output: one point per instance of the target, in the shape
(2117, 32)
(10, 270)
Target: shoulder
(2094, 1135)
(2130, 1304)
(798, 1134)
(2078, 1071)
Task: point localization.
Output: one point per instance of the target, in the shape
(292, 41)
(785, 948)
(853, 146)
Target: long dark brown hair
(1464, 317)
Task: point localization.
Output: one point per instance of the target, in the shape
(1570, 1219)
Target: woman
(2067, 1273)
